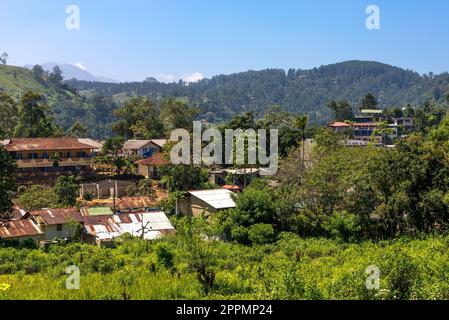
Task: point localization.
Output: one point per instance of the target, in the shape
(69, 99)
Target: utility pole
(114, 184)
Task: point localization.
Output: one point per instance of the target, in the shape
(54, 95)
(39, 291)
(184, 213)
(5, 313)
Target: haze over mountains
(74, 71)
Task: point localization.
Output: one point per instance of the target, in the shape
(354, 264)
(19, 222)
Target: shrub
(261, 233)
(164, 255)
(342, 226)
(240, 234)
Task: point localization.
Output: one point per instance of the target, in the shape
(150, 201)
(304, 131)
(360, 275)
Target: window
(69, 155)
(59, 227)
(45, 155)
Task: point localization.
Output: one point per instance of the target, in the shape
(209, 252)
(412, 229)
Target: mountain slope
(68, 107)
(16, 80)
(70, 71)
(299, 91)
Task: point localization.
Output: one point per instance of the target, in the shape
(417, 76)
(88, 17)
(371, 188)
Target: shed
(206, 202)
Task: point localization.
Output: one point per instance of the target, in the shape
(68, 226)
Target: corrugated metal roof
(58, 216)
(129, 203)
(107, 228)
(92, 143)
(217, 198)
(39, 144)
(135, 144)
(159, 142)
(20, 228)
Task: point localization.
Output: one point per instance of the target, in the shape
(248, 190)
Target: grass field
(291, 268)
(16, 80)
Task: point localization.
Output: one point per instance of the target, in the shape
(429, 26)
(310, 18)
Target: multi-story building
(46, 157)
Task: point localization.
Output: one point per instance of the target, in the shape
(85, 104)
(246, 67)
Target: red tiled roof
(157, 159)
(231, 187)
(58, 216)
(339, 124)
(19, 228)
(39, 144)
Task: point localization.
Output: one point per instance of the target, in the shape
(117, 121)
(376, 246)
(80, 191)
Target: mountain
(223, 96)
(299, 91)
(71, 71)
(67, 105)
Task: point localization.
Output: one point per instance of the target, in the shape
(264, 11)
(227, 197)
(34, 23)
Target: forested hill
(299, 91)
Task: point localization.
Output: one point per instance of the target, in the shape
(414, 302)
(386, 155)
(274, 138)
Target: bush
(164, 255)
(261, 233)
(240, 234)
(342, 226)
(88, 196)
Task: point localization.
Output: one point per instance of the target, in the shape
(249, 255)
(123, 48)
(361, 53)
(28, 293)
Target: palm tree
(56, 158)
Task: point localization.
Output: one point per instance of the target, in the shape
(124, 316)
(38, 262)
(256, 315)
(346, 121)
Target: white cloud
(166, 77)
(192, 77)
(187, 77)
(79, 65)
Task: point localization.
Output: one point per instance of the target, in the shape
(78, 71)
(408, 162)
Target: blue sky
(169, 39)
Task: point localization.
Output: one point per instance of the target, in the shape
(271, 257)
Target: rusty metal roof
(20, 228)
(40, 144)
(129, 203)
(107, 228)
(58, 216)
(157, 159)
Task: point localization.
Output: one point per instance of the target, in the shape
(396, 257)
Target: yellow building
(35, 157)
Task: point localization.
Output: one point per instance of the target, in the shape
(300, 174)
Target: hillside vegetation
(16, 81)
(291, 268)
(299, 91)
(223, 96)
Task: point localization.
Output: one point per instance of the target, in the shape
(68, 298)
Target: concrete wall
(51, 232)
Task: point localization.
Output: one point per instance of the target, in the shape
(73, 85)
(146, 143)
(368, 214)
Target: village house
(143, 148)
(369, 115)
(103, 230)
(21, 230)
(239, 177)
(134, 204)
(406, 122)
(35, 156)
(149, 167)
(205, 202)
(339, 126)
(57, 223)
(135, 216)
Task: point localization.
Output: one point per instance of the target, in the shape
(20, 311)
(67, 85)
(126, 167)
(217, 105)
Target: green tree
(4, 58)
(7, 183)
(111, 153)
(182, 177)
(176, 114)
(8, 115)
(56, 77)
(56, 159)
(368, 102)
(78, 130)
(34, 117)
(66, 191)
(36, 198)
(138, 118)
(38, 72)
(342, 110)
